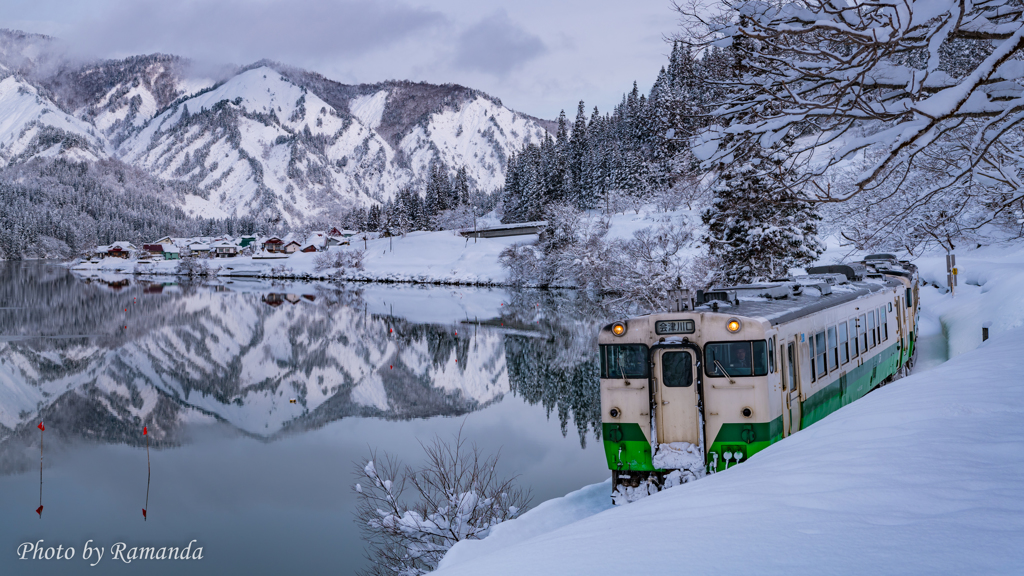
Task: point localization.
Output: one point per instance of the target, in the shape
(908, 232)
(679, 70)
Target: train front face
(676, 365)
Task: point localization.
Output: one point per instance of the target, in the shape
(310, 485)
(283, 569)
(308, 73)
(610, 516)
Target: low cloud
(496, 45)
(243, 31)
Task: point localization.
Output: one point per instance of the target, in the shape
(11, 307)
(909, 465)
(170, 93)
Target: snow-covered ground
(428, 257)
(442, 257)
(924, 476)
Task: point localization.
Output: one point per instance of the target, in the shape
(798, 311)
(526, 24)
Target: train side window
(771, 355)
(676, 369)
(814, 367)
(910, 298)
(885, 324)
(791, 366)
(862, 332)
(820, 352)
(833, 349)
(871, 329)
(854, 338)
(844, 344)
(782, 371)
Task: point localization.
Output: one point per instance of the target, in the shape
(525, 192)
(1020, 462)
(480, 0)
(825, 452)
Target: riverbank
(442, 258)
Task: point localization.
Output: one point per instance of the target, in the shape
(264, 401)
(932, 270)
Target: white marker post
(951, 273)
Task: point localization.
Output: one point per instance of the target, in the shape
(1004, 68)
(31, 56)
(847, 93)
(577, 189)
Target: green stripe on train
(746, 438)
(627, 445)
(853, 386)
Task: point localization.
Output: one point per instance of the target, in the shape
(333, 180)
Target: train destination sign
(674, 327)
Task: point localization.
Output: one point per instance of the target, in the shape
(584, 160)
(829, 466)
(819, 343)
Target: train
(726, 372)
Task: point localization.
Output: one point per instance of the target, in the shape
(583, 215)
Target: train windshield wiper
(722, 368)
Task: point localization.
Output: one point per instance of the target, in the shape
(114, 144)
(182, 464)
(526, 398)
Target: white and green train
(727, 372)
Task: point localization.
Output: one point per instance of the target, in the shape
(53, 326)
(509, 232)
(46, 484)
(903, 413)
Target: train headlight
(733, 325)
(618, 328)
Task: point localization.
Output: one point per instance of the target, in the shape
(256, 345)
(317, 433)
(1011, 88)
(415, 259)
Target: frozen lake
(262, 483)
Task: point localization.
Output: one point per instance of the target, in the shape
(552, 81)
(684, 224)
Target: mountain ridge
(266, 140)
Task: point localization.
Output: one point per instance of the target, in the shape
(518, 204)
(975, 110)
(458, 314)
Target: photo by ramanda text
(118, 551)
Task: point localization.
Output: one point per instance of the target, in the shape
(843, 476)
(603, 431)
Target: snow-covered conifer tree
(757, 224)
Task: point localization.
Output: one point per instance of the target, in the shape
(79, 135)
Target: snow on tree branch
(457, 495)
(906, 80)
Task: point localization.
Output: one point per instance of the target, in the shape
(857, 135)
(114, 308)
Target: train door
(901, 330)
(791, 409)
(677, 406)
(785, 378)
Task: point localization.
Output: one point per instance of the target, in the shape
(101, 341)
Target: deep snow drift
(923, 476)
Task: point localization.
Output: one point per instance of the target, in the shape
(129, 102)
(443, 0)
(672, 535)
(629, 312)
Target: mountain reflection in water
(99, 358)
(258, 396)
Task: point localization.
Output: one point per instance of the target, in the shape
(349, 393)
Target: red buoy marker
(40, 509)
(149, 471)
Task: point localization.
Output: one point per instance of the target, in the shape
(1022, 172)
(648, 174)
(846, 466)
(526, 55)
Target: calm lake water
(262, 484)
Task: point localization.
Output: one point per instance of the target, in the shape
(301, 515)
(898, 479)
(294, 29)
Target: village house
(152, 251)
(171, 252)
(199, 249)
(224, 249)
(273, 244)
(121, 250)
(335, 232)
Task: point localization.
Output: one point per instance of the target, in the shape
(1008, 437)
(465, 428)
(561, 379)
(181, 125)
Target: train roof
(809, 300)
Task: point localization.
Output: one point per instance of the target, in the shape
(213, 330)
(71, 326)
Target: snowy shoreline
(434, 258)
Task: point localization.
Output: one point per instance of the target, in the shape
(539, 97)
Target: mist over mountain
(267, 140)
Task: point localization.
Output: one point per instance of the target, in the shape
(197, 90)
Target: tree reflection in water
(100, 358)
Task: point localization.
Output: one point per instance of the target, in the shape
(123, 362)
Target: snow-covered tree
(457, 495)
(757, 225)
(917, 86)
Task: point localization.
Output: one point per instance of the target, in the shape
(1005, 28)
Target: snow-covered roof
(171, 249)
(198, 246)
(225, 244)
(809, 301)
(122, 245)
(534, 224)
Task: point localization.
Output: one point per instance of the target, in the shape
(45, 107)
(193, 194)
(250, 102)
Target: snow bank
(443, 257)
(548, 516)
(923, 476)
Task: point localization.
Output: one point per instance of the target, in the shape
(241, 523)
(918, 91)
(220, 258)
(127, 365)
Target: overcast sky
(538, 56)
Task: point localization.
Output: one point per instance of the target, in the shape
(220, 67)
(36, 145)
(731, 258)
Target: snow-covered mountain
(33, 126)
(266, 140)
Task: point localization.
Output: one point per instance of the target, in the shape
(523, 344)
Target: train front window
(624, 361)
(748, 358)
(676, 369)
